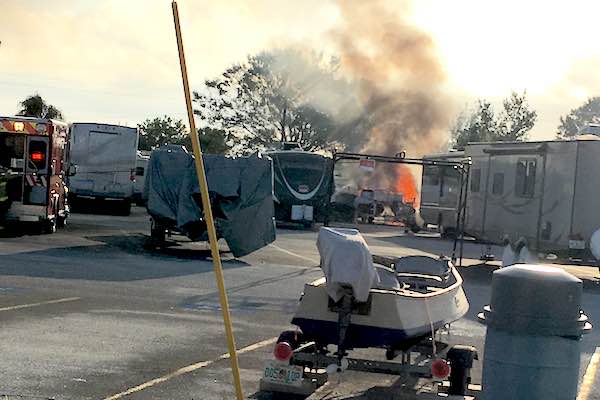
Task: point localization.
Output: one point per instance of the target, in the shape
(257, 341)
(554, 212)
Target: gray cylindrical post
(534, 325)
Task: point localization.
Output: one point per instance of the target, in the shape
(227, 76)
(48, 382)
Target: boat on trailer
(416, 294)
(365, 301)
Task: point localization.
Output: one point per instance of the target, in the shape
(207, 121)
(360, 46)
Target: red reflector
(283, 351)
(37, 156)
(440, 369)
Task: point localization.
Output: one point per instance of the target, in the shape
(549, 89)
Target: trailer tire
(158, 234)
(447, 233)
(48, 226)
(124, 209)
(61, 222)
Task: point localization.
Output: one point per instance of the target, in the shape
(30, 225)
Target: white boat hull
(389, 318)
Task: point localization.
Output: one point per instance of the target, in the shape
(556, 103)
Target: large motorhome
(302, 185)
(105, 156)
(33, 167)
(545, 192)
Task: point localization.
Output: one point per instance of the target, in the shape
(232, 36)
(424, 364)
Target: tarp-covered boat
(241, 193)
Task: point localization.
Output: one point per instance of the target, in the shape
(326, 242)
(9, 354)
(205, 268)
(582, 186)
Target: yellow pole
(210, 225)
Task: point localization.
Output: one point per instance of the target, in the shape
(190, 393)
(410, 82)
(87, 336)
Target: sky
(116, 61)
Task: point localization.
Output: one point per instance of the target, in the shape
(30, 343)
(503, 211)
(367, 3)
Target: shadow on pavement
(122, 258)
(140, 244)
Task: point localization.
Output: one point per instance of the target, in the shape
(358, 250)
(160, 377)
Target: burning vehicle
(380, 206)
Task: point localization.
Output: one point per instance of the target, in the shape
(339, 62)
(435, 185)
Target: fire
(405, 184)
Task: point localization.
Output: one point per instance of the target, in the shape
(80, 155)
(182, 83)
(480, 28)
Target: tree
(274, 97)
(159, 131)
(165, 130)
(477, 126)
(483, 125)
(572, 123)
(36, 106)
(516, 119)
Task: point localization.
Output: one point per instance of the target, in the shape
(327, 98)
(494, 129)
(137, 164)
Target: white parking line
(587, 384)
(294, 254)
(188, 369)
(41, 303)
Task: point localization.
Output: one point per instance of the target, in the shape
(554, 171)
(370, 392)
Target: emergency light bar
(18, 126)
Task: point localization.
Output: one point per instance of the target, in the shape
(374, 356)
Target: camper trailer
(440, 191)
(545, 192)
(105, 156)
(302, 185)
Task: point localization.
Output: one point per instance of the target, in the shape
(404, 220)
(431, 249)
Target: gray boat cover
(346, 261)
(241, 193)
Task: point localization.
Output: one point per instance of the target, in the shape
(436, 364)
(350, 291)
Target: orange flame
(405, 184)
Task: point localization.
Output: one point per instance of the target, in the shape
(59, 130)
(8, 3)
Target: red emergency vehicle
(33, 168)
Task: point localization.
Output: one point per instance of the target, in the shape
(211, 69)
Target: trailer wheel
(158, 234)
(61, 222)
(447, 233)
(124, 208)
(48, 226)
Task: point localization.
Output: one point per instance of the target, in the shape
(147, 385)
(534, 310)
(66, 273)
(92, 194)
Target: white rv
(546, 192)
(105, 157)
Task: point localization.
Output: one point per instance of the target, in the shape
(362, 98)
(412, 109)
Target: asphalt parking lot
(89, 313)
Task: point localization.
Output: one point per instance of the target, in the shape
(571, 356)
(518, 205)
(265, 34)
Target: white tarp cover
(346, 260)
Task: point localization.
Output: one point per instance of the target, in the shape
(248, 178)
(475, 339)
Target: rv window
(431, 175)
(498, 184)
(475, 179)
(12, 149)
(525, 179)
(139, 171)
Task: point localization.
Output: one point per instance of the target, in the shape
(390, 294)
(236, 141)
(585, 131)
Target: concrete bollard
(534, 325)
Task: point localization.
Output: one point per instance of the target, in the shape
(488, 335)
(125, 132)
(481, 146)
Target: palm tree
(35, 106)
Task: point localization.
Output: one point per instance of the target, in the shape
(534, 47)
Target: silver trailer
(546, 192)
(440, 191)
(105, 156)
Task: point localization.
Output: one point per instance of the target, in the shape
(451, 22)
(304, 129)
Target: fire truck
(33, 169)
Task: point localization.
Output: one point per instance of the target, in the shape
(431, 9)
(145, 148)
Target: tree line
(285, 95)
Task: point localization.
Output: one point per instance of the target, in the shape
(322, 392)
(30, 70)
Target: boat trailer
(310, 365)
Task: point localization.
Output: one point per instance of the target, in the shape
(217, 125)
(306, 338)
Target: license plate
(283, 374)
(577, 244)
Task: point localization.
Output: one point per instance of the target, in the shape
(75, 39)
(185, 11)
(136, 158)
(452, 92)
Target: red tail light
(132, 175)
(37, 156)
(440, 369)
(283, 351)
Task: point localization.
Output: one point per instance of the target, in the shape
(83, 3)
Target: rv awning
(517, 150)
